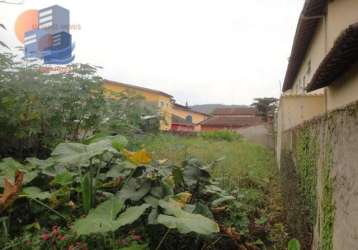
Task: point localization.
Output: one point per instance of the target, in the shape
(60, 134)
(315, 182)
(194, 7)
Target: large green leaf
(185, 222)
(194, 172)
(294, 245)
(35, 193)
(222, 200)
(64, 178)
(8, 168)
(104, 219)
(118, 141)
(77, 154)
(135, 189)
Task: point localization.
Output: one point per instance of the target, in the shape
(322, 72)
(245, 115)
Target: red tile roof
(338, 60)
(232, 121)
(234, 111)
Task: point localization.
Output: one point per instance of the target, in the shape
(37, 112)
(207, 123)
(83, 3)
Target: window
(189, 118)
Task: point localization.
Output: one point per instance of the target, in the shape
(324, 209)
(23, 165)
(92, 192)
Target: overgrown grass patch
(245, 170)
(239, 163)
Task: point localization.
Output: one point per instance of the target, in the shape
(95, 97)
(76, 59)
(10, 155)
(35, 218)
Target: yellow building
(190, 115)
(160, 99)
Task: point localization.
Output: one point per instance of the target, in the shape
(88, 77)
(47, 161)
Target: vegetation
(115, 193)
(307, 155)
(227, 135)
(70, 179)
(39, 110)
(328, 207)
(265, 106)
(244, 170)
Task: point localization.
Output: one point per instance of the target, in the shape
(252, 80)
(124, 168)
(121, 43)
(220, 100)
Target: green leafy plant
(185, 222)
(294, 245)
(38, 110)
(105, 218)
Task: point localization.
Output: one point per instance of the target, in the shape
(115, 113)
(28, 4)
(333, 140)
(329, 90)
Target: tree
(265, 106)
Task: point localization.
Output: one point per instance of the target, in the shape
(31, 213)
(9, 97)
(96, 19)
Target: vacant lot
(241, 167)
(238, 160)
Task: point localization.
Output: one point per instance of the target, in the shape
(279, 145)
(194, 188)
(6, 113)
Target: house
(181, 125)
(322, 72)
(190, 115)
(231, 118)
(158, 98)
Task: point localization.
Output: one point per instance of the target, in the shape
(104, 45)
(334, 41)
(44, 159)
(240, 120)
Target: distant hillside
(209, 108)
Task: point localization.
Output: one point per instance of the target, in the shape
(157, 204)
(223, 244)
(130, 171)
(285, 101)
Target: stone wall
(319, 169)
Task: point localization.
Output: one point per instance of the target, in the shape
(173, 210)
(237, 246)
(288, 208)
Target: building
(190, 115)
(231, 118)
(158, 98)
(321, 74)
(181, 125)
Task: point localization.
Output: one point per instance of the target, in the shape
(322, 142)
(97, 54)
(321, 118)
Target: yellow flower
(183, 198)
(140, 157)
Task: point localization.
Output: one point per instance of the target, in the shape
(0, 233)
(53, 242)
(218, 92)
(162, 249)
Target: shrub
(39, 110)
(227, 135)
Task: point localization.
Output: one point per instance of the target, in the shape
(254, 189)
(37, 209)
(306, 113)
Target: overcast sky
(200, 51)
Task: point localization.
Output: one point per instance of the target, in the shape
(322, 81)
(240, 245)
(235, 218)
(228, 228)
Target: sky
(199, 51)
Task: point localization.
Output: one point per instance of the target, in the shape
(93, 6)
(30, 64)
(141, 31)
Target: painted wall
(315, 53)
(197, 118)
(344, 90)
(341, 13)
(164, 103)
(295, 109)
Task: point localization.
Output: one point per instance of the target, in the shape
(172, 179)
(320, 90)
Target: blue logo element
(51, 40)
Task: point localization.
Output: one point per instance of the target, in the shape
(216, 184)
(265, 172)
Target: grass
(240, 161)
(243, 167)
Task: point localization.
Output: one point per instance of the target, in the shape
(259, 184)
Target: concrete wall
(323, 152)
(260, 134)
(293, 110)
(344, 90)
